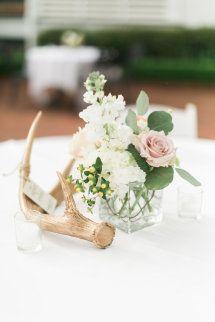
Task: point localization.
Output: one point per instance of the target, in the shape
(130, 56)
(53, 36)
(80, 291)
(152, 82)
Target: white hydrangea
(120, 179)
(120, 169)
(119, 137)
(112, 159)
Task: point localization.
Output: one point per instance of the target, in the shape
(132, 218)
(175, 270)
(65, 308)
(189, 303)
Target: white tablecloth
(163, 273)
(59, 66)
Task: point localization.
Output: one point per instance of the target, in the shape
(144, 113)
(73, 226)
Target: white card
(40, 197)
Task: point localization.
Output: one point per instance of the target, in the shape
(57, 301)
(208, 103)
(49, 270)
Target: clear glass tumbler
(190, 202)
(28, 233)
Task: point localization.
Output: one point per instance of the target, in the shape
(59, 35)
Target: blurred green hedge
(168, 43)
(12, 64)
(199, 70)
(153, 53)
(11, 57)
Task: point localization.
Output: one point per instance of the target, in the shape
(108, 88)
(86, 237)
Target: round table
(163, 273)
(60, 67)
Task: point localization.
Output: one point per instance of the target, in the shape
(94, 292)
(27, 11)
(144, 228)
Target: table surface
(163, 273)
(55, 54)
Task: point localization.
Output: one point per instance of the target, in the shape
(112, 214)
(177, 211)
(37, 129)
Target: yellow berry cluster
(92, 183)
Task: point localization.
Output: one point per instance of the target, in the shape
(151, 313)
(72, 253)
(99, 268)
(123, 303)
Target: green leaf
(188, 177)
(131, 121)
(98, 165)
(159, 178)
(141, 162)
(160, 121)
(142, 103)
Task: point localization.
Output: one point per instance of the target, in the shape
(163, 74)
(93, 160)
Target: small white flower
(91, 98)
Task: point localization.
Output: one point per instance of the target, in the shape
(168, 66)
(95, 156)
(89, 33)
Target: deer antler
(72, 223)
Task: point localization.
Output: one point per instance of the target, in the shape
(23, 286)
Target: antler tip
(62, 179)
(59, 174)
(40, 113)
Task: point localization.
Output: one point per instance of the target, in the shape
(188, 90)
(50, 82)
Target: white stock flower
(91, 98)
(92, 114)
(107, 112)
(113, 105)
(95, 82)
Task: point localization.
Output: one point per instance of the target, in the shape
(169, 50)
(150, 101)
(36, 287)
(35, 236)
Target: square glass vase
(139, 208)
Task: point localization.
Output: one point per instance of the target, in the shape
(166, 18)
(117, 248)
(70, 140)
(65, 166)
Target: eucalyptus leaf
(160, 121)
(142, 103)
(188, 177)
(159, 178)
(131, 121)
(141, 162)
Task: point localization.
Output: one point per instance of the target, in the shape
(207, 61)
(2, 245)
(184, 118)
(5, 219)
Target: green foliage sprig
(141, 162)
(142, 103)
(92, 182)
(188, 177)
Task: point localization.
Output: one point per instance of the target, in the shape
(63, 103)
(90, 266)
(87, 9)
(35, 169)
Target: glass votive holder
(189, 201)
(28, 233)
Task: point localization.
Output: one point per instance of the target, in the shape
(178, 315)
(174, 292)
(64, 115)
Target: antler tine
(30, 139)
(68, 194)
(57, 192)
(25, 203)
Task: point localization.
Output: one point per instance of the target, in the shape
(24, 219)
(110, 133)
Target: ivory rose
(156, 147)
(82, 142)
(79, 141)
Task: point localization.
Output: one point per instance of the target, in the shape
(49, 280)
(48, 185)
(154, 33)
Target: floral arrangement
(72, 39)
(119, 149)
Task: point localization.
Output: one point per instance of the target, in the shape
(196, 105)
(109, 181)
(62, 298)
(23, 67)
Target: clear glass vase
(138, 209)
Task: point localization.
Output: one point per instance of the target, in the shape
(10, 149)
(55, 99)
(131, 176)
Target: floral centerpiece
(124, 159)
(72, 39)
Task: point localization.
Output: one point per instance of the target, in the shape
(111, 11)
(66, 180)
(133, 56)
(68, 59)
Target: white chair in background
(185, 120)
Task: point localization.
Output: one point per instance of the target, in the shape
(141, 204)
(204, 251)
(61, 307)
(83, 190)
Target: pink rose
(156, 147)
